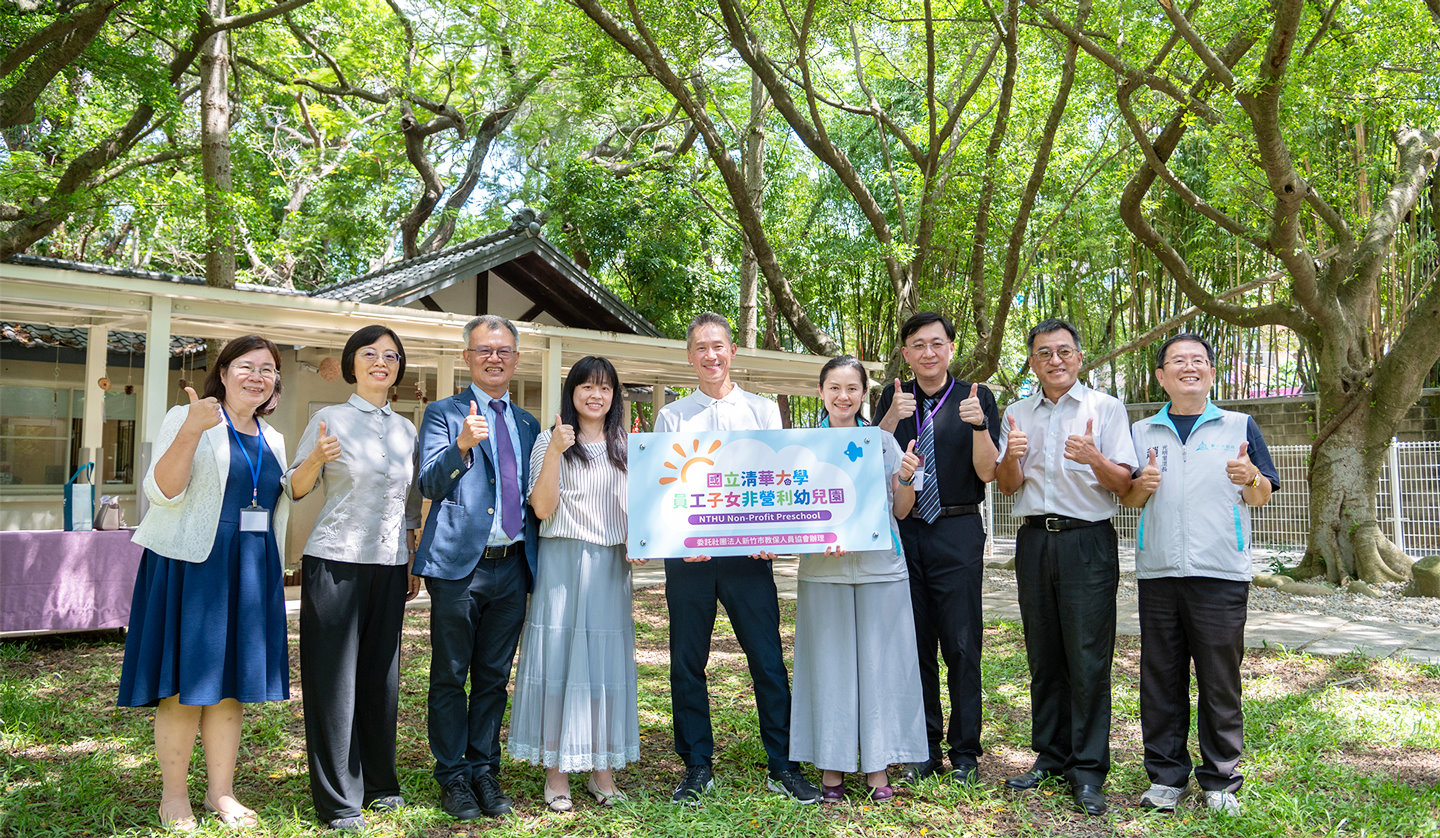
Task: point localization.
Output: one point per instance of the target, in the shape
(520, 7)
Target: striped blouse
(592, 503)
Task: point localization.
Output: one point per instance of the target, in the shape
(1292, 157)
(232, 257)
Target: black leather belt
(502, 552)
(1060, 523)
(962, 509)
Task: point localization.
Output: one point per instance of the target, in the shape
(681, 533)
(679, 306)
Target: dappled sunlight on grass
(1344, 746)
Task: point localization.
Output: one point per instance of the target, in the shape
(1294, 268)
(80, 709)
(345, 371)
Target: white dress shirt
(1054, 485)
(738, 411)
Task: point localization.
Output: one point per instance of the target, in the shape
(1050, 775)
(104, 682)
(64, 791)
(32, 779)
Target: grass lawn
(1347, 746)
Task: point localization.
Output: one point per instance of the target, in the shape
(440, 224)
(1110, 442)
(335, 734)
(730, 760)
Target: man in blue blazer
(478, 559)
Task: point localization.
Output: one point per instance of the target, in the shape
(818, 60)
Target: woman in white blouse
(574, 708)
(207, 622)
(355, 581)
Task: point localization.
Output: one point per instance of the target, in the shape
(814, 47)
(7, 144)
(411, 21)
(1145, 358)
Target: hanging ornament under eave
(103, 384)
(330, 369)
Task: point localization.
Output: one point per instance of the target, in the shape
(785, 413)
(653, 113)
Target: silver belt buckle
(1056, 522)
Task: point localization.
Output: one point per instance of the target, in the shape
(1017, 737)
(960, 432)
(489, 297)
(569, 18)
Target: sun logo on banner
(688, 460)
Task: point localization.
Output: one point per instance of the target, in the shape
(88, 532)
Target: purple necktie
(511, 518)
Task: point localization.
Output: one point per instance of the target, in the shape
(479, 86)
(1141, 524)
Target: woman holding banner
(207, 623)
(575, 704)
(857, 677)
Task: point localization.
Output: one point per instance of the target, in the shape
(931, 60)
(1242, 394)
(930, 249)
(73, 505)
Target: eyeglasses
(370, 356)
(503, 353)
(1181, 363)
(1064, 353)
(936, 346)
(246, 370)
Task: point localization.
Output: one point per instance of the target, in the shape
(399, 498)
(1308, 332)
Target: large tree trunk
(215, 154)
(753, 163)
(1346, 541)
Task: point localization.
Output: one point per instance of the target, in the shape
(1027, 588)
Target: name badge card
(737, 493)
(254, 519)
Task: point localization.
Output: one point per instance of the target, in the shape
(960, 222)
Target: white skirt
(574, 707)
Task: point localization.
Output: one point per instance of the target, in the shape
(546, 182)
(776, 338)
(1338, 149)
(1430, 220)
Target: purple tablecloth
(66, 581)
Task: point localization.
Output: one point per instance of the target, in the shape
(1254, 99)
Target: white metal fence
(1408, 503)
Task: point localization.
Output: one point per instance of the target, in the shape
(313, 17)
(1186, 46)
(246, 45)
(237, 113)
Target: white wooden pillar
(92, 428)
(551, 381)
(628, 417)
(657, 401)
(445, 382)
(155, 392)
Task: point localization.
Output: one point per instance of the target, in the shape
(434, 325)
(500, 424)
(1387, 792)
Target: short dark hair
(362, 338)
(920, 320)
(708, 318)
(215, 387)
(1050, 324)
(601, 371)
(1184, 336)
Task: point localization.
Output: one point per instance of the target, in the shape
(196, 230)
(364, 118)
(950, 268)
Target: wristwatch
(985, 425)
(904, 482)
(1255, 482)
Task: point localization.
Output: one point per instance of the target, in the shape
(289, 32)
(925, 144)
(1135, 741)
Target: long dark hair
(234, 349)
(842, 362)
(593, 368)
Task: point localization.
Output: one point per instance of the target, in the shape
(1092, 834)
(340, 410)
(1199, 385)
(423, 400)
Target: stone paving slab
(1291, 631)
(1371, 638)
(1419, 655)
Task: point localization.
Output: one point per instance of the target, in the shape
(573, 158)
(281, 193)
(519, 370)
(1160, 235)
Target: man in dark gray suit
(478, 559)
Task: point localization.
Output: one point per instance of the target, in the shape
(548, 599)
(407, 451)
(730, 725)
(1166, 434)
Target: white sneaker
(1223, 802)
(1163, 798)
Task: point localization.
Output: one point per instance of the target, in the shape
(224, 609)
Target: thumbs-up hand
(1149, 479)
(204, 414)
(1016, 443)
(909, 463)
(902, 406)
(474, 431)
(562, 437)
(1081, 447)
(1240, 469)
(327, 447)
(970, 409)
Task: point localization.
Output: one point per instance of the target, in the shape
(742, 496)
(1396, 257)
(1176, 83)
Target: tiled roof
(33, 336)
(412, 279)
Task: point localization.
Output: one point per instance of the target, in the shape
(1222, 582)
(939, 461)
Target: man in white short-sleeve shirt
(1067, 450)
(746, 586)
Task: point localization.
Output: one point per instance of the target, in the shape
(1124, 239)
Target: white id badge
(919, 481)
(254, 519)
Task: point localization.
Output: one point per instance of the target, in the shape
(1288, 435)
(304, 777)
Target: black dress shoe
(965, 774)
(458, 800)
(914, 772)
(493, 801)
(1032, 778)
(1091, 799)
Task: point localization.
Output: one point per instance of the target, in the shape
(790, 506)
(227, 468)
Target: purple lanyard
(920, 402)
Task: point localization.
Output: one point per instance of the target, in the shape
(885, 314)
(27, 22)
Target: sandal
(234, 820)
(604, 798)
(186, 824)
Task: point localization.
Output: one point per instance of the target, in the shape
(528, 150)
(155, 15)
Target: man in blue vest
(1204, 470)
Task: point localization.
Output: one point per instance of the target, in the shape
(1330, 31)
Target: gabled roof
(520, 256)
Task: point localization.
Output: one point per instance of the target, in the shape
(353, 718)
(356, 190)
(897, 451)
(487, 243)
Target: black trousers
(475, 625)
(1067, 584)
(1183, 619)
(350, 620)
(746, 587)
(945, 561)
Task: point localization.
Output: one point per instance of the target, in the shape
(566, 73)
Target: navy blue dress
(215, 629)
